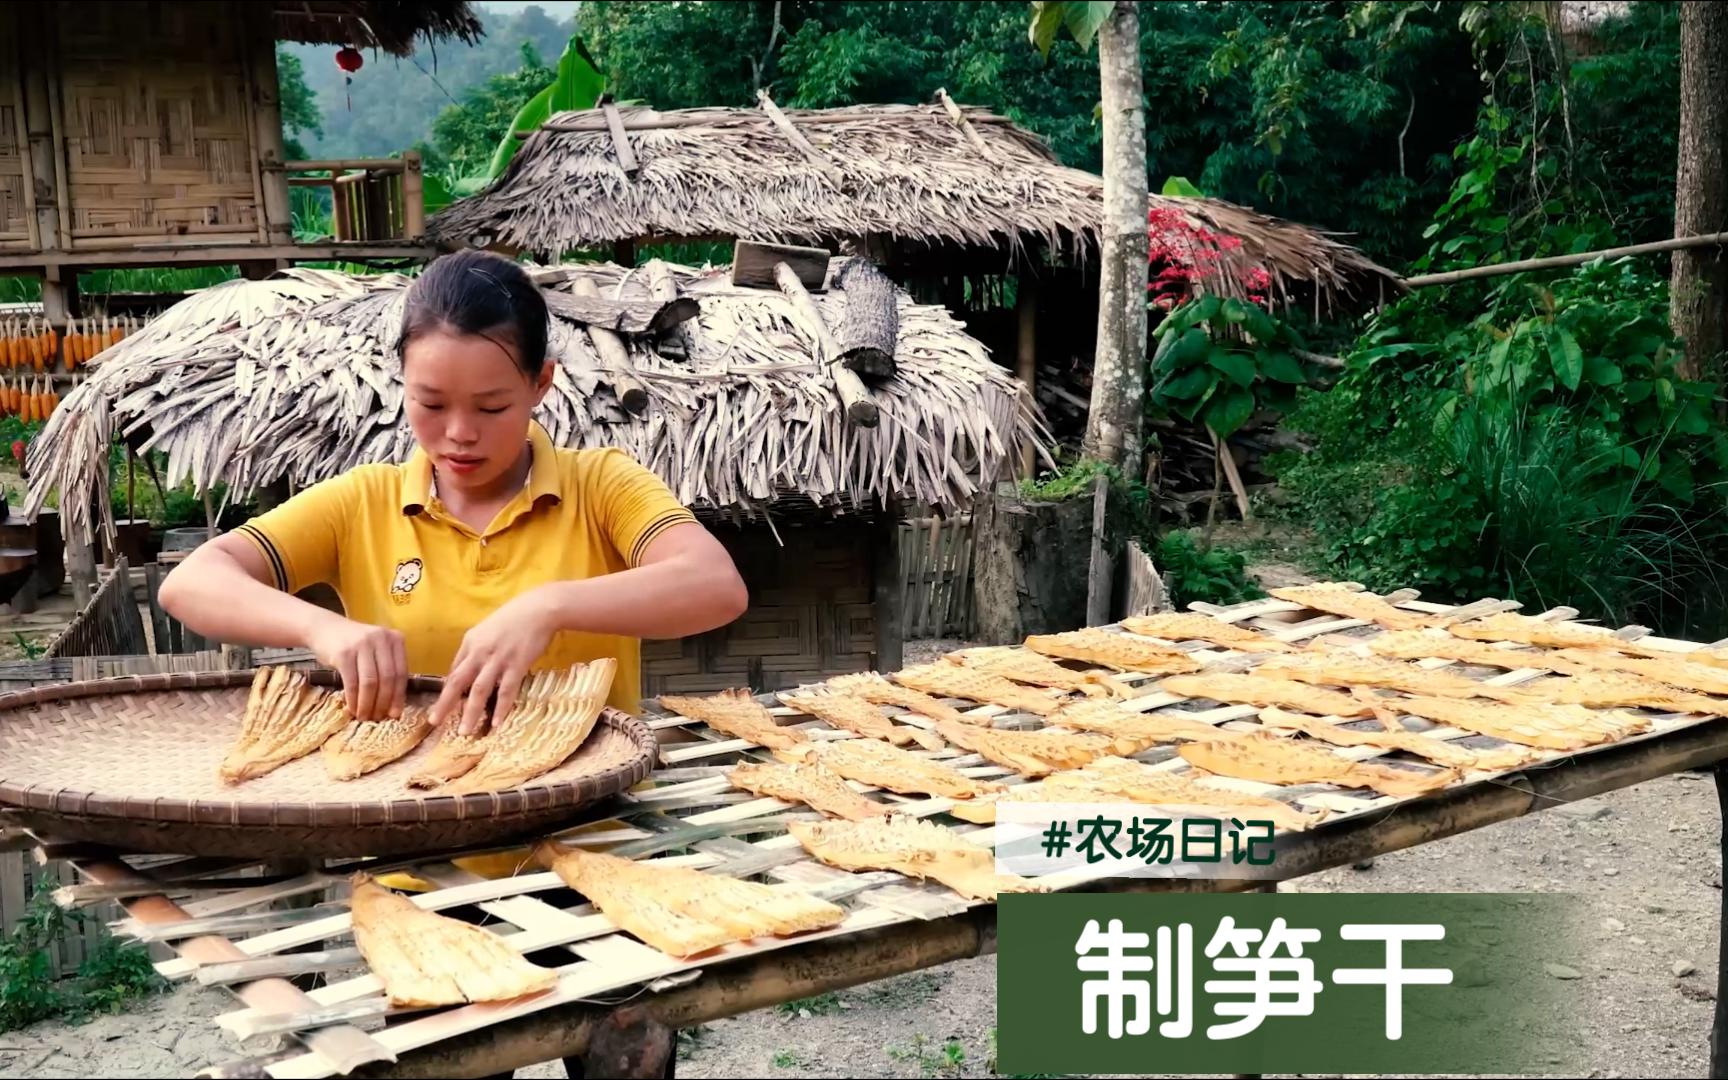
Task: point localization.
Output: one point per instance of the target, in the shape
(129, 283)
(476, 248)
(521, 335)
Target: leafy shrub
(1218, 361)
(1211, 575)
(1532, 506)
(110, 978)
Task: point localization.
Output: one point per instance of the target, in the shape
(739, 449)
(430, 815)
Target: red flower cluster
(1182, 254)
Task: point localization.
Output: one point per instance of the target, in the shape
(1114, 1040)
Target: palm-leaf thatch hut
(958, 203)
(293, 379)
(925, 185)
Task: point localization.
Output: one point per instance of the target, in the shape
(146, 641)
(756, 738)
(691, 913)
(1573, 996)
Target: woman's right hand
(373, 663)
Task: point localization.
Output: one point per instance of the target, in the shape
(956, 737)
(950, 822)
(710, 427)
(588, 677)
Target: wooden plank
(620, 141)
(753, 265)
(590, 309)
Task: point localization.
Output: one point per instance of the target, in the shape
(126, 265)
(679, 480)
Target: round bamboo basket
(131, 763)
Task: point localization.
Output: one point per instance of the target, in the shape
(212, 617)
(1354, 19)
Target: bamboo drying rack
(233, 933)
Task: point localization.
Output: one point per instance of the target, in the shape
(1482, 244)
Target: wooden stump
(1029, 565)
(870, 329)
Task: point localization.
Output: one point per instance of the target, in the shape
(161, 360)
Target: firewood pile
(1182, 470)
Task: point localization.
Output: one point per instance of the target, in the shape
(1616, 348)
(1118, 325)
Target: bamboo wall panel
(157, 123)
(15, 207)
(811, 616)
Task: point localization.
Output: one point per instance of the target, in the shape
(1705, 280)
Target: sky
(558, 9)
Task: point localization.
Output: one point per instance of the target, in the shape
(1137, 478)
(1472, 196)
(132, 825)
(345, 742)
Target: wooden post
(890, 631)
(1102, 574)
(43, 150)
(1026, 306)
(59, 294)
(413, 197)
(267, 140)
(81, 568)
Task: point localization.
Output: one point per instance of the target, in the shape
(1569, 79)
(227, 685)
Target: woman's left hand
(495, 656)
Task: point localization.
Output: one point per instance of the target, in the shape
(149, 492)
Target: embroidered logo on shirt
(408, 573)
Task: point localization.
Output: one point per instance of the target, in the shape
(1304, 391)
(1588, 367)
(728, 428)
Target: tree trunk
(1119, 368)
(1699, 292)
(1024, 574)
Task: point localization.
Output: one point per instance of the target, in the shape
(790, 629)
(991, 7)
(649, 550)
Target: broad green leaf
(1637, 390)
(1047, 16)
(1166, 346)
(1259, 324)
(1281, 367)
(1206, 308)
(1188, 385)
(1665, 393)
(1179, 187)
(1233, 310)
(1602, 371)
(1676, 479)
(577, 85)
(1229, 410)
(530, 116)
(1238, 366)
(434, 193)
(1084, 19)
(1190, 408)
(1368, 356)
(1191, 350)
(1694, 419)
(1567, 357)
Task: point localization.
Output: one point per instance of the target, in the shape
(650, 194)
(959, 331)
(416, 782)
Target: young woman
(490, 553)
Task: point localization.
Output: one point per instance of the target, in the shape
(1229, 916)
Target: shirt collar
(417, 478)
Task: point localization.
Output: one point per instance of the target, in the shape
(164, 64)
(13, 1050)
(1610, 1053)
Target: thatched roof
(294, 378)
(390, 25)
(909, 172)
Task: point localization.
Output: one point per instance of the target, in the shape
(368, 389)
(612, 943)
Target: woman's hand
(495, 656)
(372, 660)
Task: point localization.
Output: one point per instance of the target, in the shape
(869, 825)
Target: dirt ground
(1645, 860)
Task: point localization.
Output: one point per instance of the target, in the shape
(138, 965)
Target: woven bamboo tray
(131, 762)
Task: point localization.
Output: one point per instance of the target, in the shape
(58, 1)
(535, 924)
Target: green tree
(465, 135)
(300, 114)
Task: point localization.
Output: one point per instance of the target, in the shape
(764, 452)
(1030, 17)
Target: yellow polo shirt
(382, 539)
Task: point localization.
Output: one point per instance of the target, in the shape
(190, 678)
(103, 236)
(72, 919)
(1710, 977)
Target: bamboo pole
(1554, 262)
(859, 408)
(632, 394)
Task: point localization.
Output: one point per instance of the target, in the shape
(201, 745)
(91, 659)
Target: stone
(1682, 968)
(1613, 925)
(1561, 971)
(1609, 871)
(1636, 940)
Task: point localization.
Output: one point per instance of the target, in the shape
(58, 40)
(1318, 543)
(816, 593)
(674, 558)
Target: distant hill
(395, 101)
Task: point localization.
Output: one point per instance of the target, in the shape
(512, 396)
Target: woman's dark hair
(480, 293)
